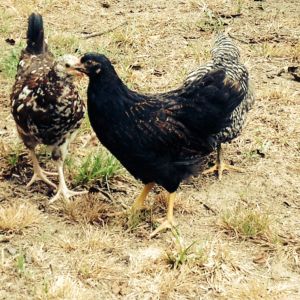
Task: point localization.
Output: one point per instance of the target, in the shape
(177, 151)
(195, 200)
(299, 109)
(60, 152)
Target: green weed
(9, 62)
(101, 165)
(20, 264)
(13, 157)
(210, 22)
(183, 254)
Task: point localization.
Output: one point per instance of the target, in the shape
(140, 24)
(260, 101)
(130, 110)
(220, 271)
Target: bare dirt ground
(244, 231)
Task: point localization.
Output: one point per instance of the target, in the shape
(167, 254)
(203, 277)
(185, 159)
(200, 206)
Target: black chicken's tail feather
(209, 103)
(35, 35)
(222, 90)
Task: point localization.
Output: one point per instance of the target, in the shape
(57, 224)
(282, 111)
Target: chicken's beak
(74, 72)
(70, 61)
(79, 67)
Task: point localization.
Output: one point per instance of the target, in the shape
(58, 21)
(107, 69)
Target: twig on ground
(237, 39)
(230, 16)
(105, 32)
(209, 208)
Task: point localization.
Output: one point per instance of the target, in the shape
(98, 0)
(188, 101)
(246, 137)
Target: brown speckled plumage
(44, 102)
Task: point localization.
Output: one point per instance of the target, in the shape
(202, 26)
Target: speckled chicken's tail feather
(35, 35)
(224, 49)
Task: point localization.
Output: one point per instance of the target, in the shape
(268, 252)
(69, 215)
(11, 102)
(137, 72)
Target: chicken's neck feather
(110, 90)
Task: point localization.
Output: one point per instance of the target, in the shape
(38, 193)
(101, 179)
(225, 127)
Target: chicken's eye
(67, 65)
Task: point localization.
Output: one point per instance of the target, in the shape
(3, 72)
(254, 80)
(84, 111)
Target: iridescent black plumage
(44, 101)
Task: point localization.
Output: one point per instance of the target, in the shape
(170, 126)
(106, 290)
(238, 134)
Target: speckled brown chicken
(45, 104)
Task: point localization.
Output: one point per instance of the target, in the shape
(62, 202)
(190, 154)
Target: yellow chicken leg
(139, 202)
(220, 166)
(169, 222)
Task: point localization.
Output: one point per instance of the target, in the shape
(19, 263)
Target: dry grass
(88, 209)
(268, 50)
(254, 290)
(16, 217)
(248, 223)
(63, 287)
(91, 241)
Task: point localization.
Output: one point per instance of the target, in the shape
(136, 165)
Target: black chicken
(226, 55)
(160, 138)
(45, 103)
